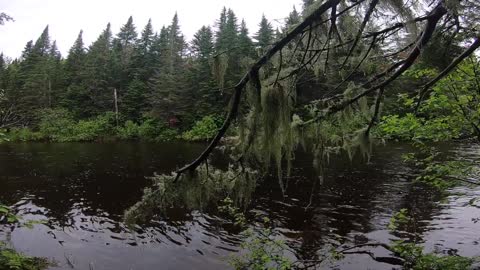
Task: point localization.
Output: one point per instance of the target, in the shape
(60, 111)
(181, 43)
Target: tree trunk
(116, 104)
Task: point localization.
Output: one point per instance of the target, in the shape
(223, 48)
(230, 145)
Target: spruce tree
(36, 82)
(123, 56)
(220, 39)
(168, 85)
(205, 91)
(245, 43)
(144, 55)
(96, 94)
(265, 35)
(75, 61)
(56, 76)
(293, 19)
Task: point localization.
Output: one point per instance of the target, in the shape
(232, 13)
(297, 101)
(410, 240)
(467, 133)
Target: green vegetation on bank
(60, 126)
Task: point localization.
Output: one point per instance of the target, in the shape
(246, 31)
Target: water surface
(82, 191)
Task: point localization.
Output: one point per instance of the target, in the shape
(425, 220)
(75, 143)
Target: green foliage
(149, 130)
(204, 187)
(204, 129)
(24, 135)
(3, 136)
(12, 260)
(128, 131)
(262, 252)
(400, 218)
(56, 125)
(435, 171)
(59, 126)
(396, 127)
(7, 216)
(413, 254)
(228, 209)
(451, 110)
(416, 259)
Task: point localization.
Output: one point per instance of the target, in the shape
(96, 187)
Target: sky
(66, 17)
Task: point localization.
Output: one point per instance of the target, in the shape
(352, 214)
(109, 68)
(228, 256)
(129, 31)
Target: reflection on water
(84, 189)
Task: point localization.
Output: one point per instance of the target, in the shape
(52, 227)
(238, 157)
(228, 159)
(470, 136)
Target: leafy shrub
(417, 260)
(203, 130)
(401, 128)
(150, 128)
(128, 131)
(12, 260)
(166, 135)
(89, 130)
(24, 135)
(410, 127)
(3, 136)
(56, 124)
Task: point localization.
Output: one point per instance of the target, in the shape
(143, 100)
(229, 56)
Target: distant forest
(148, 74)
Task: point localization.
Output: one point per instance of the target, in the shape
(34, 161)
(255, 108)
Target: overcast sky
(65, 17)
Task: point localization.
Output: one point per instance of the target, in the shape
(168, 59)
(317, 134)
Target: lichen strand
(219, 69)
(268, 135)
(195, 191)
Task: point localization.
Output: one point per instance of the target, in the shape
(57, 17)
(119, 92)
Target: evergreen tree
(160, 48)
(134, 99)
(96, 94)
(245, 43)
(27, 50)
(75, 61)
(56, 76)
(36, 81)
(205, 95)
(123, 55)
(220, 39)
(265, 35)
(168, 84)
(293, 19)
(3, 66)
(306, 5)
(227, 48)
(177, 45)
(144, 53)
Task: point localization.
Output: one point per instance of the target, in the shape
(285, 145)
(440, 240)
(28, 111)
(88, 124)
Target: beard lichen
(193, 191)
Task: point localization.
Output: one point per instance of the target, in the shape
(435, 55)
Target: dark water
(82, 190)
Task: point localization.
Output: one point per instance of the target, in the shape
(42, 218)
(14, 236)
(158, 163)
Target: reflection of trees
(74, 179)
(354, 198)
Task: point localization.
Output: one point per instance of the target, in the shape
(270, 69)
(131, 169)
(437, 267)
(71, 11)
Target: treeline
(147, 75)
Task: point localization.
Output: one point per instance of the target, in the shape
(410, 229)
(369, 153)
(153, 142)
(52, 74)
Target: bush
(166, 135)
(150, 128)
(56, 124)
(410, 127)
(204, 129)
(101, 127)
(24, 135)
(129, 131)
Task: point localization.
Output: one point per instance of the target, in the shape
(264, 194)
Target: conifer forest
(344, 135)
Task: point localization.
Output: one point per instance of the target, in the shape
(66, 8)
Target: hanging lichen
(204, 187)
(219, 69)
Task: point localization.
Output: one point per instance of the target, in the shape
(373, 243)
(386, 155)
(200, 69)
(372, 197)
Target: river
(81, 190)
